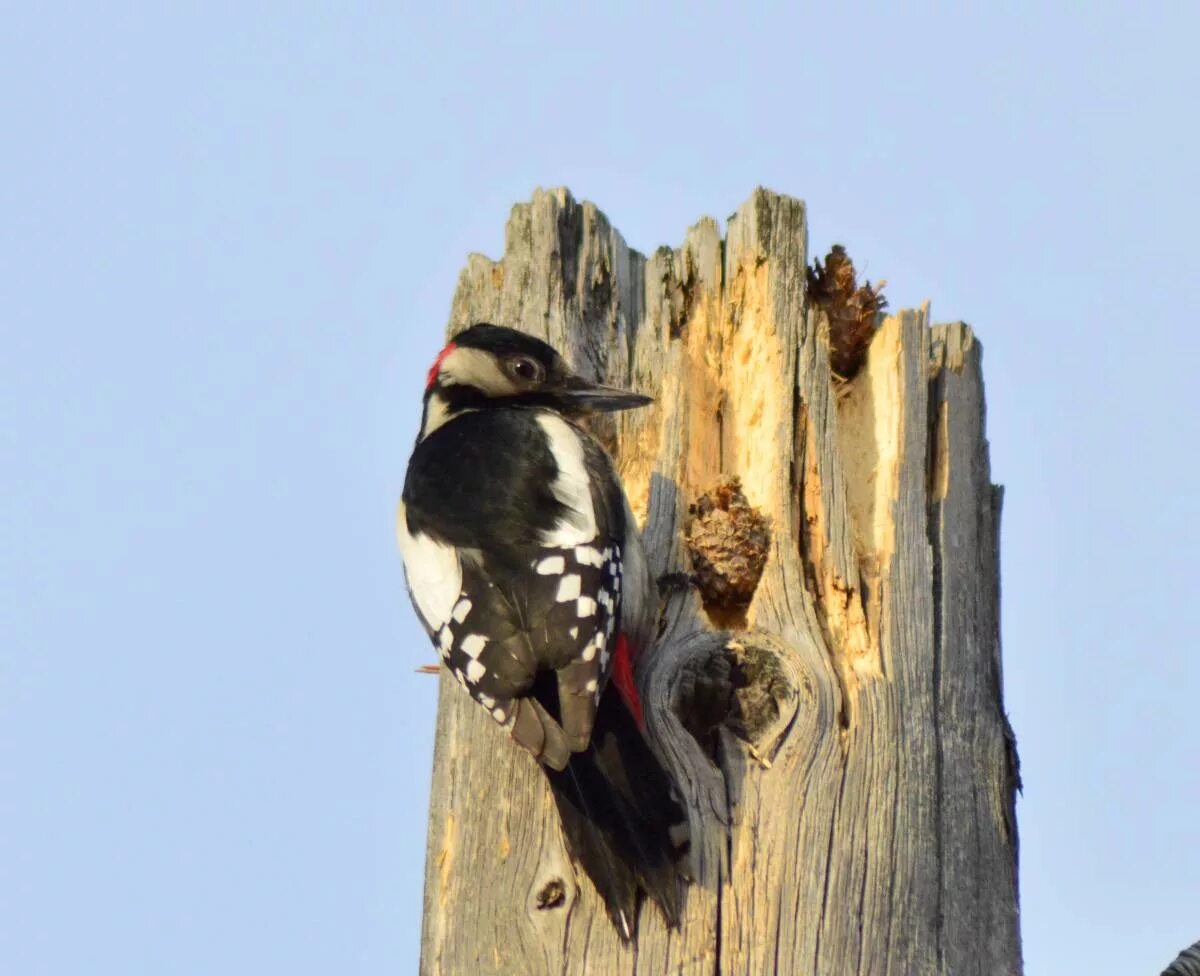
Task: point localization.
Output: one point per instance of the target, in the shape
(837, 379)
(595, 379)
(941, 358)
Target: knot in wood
(552, 894)
(704, 695)
(762, 686)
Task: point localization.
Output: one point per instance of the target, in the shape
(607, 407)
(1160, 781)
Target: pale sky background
(229, 241)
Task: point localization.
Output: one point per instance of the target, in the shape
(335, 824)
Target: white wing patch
(571, 487)
(589, 556)
(433, 572)
(568, 588)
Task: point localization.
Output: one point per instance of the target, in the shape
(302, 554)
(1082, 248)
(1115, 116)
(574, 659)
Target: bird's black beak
(584, 397)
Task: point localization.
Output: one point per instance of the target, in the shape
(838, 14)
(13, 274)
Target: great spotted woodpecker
(526, 568)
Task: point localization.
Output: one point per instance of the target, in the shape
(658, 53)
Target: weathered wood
(1187, 963)
(871, 813)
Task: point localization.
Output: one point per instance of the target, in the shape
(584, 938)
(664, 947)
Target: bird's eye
(526, 369)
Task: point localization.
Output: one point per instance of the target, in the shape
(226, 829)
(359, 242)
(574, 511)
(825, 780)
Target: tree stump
(826, 686)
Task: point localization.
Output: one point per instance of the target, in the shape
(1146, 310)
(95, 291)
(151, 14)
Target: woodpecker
(526, 568)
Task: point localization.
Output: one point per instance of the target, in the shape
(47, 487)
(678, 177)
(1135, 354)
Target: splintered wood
(826, 685)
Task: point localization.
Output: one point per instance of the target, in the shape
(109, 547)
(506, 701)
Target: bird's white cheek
(476, 368)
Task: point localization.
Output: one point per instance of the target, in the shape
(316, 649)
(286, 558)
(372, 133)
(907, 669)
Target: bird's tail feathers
(621, 820)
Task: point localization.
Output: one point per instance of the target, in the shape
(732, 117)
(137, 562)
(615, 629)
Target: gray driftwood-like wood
(1187, 963)
(867, 827)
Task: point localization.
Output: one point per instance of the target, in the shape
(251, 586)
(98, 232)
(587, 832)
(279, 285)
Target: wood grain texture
(868, 826)
(1187, 963)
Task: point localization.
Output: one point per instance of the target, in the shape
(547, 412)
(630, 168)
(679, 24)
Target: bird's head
(490, 365)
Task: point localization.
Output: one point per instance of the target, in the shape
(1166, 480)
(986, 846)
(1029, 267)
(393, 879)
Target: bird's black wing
(526, 507)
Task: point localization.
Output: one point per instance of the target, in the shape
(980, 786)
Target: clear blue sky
(230, 236)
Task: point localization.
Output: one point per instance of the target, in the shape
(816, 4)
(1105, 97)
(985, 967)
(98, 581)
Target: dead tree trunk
(865, 769)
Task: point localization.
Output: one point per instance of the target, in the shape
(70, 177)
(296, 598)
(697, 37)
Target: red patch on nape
(622, 677)
(437, 364)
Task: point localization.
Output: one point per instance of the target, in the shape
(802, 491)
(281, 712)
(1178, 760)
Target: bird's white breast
(433, 570)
